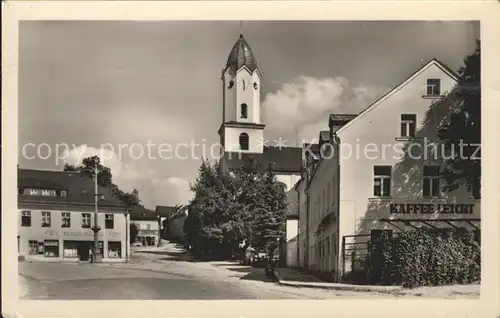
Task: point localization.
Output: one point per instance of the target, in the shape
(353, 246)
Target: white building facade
(387, 173)
(56, 217)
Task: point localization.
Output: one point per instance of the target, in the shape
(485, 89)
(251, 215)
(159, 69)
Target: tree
(133, 232)
(270, 214)
(104, 176)
(460, 131)
(105, 180)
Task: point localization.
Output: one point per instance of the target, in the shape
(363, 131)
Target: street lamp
(96, 253)
(159, 228)
(127, 240)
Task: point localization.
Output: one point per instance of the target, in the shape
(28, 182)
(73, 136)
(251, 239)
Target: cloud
(301, 107)
(154, 189)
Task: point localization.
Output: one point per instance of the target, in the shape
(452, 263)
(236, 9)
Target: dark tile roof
(285, 160)
(166, 211)
(80, 188)
(339, 120)
(241, 55)
(140, 213)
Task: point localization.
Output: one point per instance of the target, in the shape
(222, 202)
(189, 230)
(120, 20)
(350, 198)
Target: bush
(426, 257)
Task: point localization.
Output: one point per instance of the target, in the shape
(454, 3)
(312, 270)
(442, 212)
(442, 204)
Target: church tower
(241, 130)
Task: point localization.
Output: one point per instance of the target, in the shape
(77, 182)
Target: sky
(119, 88)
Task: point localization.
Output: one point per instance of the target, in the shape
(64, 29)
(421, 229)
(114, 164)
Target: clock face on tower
(242, 84)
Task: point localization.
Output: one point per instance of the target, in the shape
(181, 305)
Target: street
(158, 273)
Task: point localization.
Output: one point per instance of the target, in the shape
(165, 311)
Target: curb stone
(380, 289)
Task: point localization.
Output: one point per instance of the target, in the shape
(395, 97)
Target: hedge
(425, 257)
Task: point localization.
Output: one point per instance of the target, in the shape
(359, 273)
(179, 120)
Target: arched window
(244, 110)
(244, 141)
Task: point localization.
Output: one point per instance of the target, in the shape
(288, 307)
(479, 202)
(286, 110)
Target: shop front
(72, 246)
(394, 217)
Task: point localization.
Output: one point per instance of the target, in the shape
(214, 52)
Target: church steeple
(241, 130)
(241, 55)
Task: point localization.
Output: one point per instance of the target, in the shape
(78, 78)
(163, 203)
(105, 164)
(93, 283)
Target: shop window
(109, 221)
(86, 220)
(431, 181)
(32, 247)
(46, 219)
(114, 249)
(26, 218)
(51, 248)
(70, 249)
(382, 181)
(66, 219)
(433, 87)
(40, 248)
(408, 125)
(244, 143)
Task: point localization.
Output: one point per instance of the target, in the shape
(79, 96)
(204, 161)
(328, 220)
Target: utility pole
(96, 253)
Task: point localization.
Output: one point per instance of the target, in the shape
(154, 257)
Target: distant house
(173, 225)
(147, 223)
(165, 212)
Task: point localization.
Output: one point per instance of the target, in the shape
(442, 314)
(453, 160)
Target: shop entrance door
(83, 250)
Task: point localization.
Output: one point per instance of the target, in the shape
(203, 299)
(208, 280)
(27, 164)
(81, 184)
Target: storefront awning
(432, 223)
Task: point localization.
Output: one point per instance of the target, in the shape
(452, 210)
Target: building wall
(291, 253)
(176, 227)
(58, 234)
(321, 192)
(147, 228)
(232, 141)
(248, 95)
(289, 179)
(378, 131)
(302, 238)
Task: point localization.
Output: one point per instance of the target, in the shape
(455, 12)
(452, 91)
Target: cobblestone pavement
(164, 273)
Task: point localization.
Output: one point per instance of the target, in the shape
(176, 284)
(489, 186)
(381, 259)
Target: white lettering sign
(42, 192)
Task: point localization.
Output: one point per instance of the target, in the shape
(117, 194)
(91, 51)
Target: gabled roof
(80, 188)
(165, 211)
(434, 61)
(284, 160)
(140, 213)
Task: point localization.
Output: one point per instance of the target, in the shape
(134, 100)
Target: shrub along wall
(425, 257)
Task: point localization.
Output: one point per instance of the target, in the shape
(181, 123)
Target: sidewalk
(293, 277)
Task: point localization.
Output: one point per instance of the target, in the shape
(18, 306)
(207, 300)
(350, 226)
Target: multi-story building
(148, 225)
(56, 214)
(381, 168)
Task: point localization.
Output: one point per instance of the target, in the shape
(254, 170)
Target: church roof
(241, 55)
(284, 159)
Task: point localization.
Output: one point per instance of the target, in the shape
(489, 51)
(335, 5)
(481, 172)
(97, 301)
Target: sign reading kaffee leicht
(429, 208)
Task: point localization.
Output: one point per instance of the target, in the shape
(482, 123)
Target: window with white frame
(431, 181)
(86, 220)
(433, 87)
(382, 181)
(408, 125)
(45, 219)
(66, 219)
(109, 221)
(26, 218)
